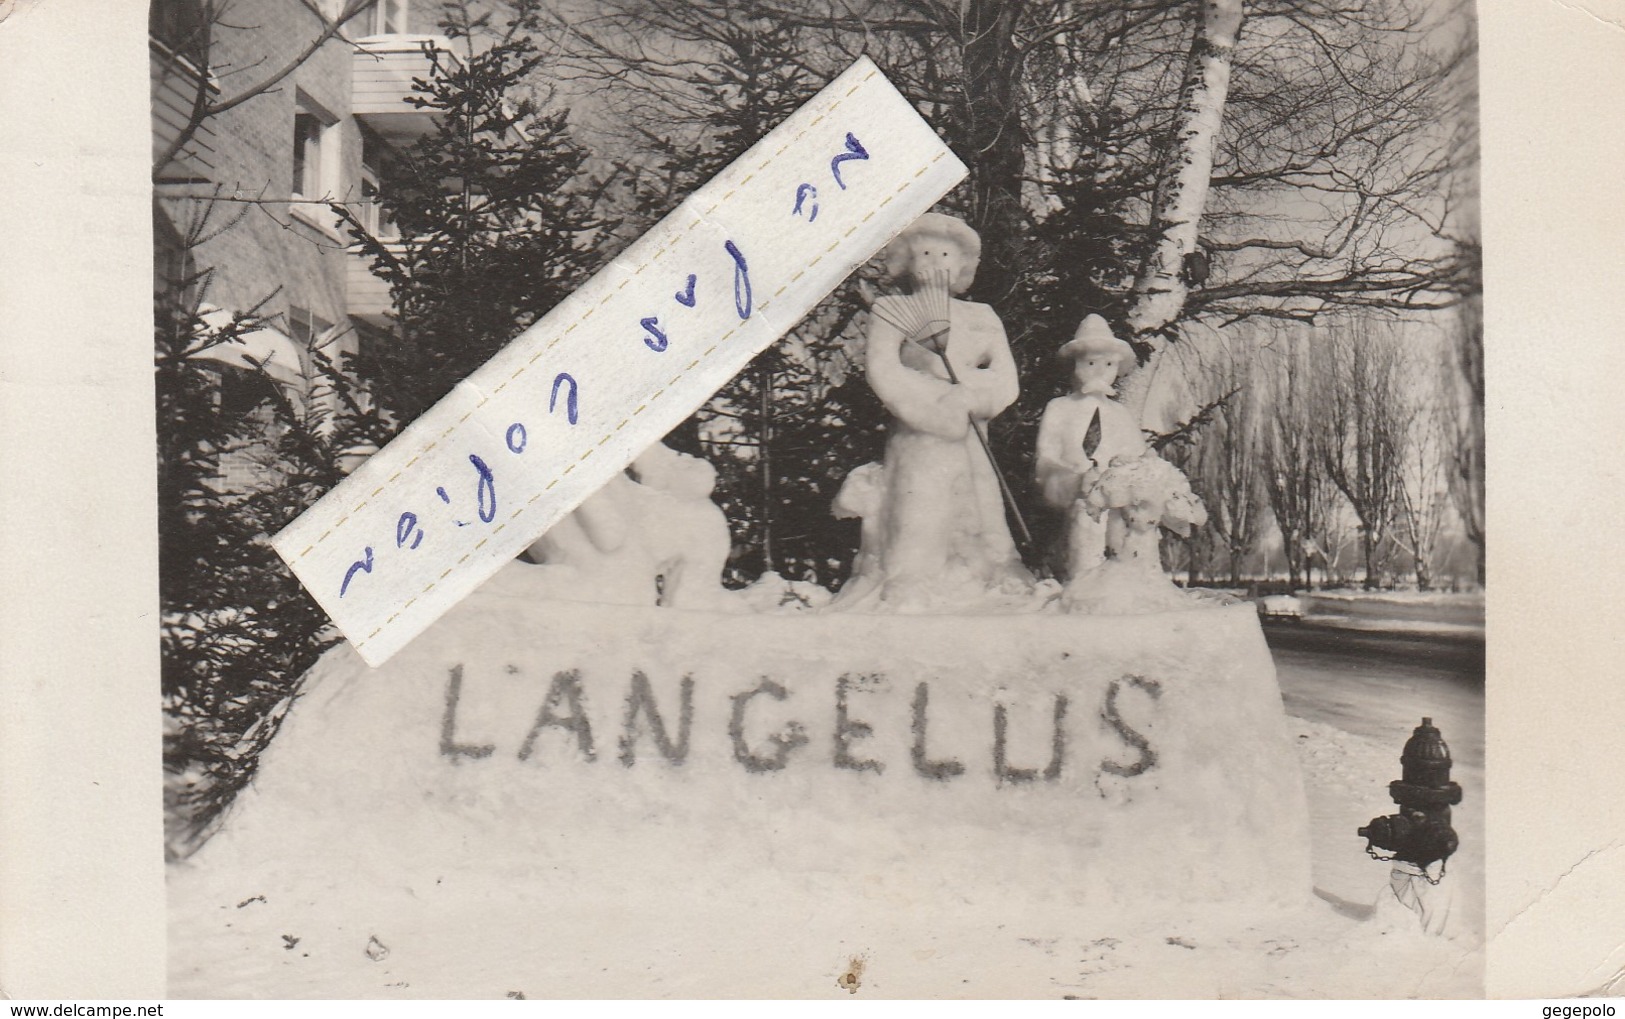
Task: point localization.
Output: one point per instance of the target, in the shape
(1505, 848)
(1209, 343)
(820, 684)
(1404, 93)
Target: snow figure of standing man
(1093, 462)
(935, 537)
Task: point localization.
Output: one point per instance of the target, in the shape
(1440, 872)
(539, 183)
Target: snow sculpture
(934, 531)
(652, 538)
(1094, 463)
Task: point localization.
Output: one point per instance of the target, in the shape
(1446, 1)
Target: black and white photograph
(1028, 533)
(1091, 586)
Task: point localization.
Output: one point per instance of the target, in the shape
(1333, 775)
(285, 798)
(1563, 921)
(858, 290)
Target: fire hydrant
(1419, 835)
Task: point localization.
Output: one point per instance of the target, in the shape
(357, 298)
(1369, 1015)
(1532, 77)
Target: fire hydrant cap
(1425, 769)
(1426, 745)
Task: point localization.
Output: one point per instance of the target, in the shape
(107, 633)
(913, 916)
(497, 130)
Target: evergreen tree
(783, 433)
(495, 219)
(1081, 260)
(494, 227)
(237, 629)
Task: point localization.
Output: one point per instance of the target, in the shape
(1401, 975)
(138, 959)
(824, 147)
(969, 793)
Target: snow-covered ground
(559, 890)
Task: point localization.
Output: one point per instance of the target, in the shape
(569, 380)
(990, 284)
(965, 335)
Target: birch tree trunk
(1055, 144)
(1176, 216)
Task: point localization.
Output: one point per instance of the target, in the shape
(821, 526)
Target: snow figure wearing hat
(935, 536)
(1084, 431)
(1093, 462)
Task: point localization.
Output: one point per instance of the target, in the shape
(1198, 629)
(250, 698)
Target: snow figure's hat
(1095, 337)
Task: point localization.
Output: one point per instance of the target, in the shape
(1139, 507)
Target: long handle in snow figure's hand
(618, 364)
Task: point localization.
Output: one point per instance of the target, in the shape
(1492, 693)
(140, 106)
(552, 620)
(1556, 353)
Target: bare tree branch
(203, 109)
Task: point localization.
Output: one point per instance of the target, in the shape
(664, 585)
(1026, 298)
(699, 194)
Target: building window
(311, 155)
(243, 391)
(374, 216)
(307, 328)
(389, 17)
(372, 343)
(316, 164)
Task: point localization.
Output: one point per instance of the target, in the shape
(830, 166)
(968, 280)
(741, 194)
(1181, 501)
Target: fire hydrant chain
(1443, 865)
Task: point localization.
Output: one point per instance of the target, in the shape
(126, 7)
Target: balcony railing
(367, 296)
(175, 81)
(383, 69)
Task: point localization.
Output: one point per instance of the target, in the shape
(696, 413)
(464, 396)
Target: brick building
(242, 193)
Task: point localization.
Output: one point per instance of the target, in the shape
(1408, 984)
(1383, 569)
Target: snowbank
(1443, 612)
(586, 800)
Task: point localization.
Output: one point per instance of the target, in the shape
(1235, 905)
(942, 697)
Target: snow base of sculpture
(629, 762)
